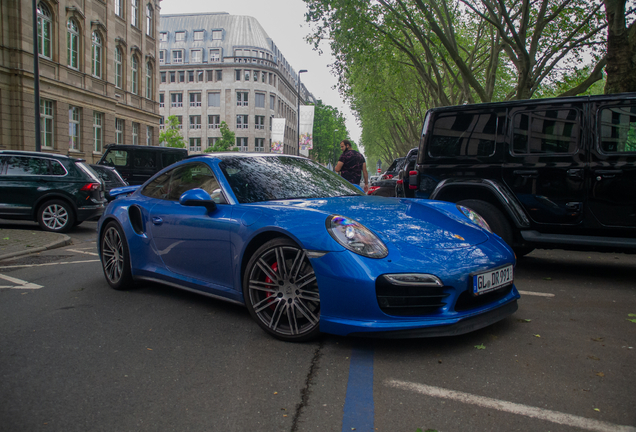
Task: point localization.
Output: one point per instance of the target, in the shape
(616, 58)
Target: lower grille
(409, 300)
(468, 301)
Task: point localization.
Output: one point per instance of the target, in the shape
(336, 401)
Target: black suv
(57, 191)
(136, 163)
(547, 173)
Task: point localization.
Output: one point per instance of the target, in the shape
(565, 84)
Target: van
(136, 164)
(547, 173)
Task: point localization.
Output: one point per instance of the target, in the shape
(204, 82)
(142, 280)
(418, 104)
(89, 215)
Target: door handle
(157, 220)
(526, 173)
(578, 173)
(607, 174)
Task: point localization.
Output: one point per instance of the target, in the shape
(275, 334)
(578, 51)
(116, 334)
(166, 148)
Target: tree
(227, 141)
(329, 130)
(172, 133)
(621, 48)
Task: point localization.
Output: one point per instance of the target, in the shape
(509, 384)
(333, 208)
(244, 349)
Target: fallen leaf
(275, 392)
(631, 315)
(537, 335)
(548, 278)
(597, 339)
(632, 320)
(149, 349)
(6, 238)
(601, 374)
(596, 409)
(482, 346)
(593, 358)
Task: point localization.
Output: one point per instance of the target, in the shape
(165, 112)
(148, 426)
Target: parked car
(403, 188)
(387, 184)
(392, 170)
(306, 251)
(136, 163)
(110, 177)
(545, 173)
(57, 191)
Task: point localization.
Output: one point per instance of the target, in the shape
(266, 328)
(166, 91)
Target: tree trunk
(621, 50)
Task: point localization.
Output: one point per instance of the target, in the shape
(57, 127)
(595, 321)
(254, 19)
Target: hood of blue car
(421, 223)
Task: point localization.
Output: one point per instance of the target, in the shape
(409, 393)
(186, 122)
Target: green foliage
(227, 141)
(329, 131)
(171, 135)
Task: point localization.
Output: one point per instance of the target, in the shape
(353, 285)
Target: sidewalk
(16, 242)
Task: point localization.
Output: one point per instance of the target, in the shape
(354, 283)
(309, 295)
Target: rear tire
(56, 216)
(495, 219)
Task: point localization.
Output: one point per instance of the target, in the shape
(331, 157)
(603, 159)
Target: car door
(545, 166)
(21, 178)
(612, 195)
(191, 241)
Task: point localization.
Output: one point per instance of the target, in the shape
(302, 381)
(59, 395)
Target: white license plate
(491, 280)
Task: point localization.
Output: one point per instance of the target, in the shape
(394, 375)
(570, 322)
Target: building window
(44, 31)
(191, 76)
(214, 121)
(256, 75)
(247, 75)
(73, 128)
(215, 55)
(163, 37)
(238, 74)
(162, 56)
(96, 56)
(119, 131)
(195, 122)
(219, 75)
(163, 77)
(119, 8)
(161, 126)
(176, 100)
(134, 78)
(195, 56)
(242, 121)
(177, 56)
(195, 144)
(198, 35)
(134, 12)
(161, 100)
(72, 44)
(217, 34)
(46, 123)
(118, 68)
(149, 88)
(179, 122)
(259, 145)
(259, 100)
(98, 134)
(241, 143)
(181, 76)
(149, 20)
(241, 98)
(200, 76)
(272, 102)
(214, 99)
(179, 36)
(173, 77)
(135, 133)
(259, 122)
(148, 135)
(195, 99)
(264, 77)
(212, 141)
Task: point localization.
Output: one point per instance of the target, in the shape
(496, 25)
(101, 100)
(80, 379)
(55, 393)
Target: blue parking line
(359, 411)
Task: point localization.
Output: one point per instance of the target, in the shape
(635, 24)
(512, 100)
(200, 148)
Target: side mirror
(197, 198)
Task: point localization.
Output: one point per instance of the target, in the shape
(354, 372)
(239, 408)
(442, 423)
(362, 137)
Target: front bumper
(90, 213)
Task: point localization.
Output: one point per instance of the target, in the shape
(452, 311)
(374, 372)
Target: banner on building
(306, 140)
(278, 135)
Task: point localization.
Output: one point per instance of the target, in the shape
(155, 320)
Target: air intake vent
(409, 300)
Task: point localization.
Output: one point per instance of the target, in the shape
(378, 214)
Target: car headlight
(474, 217)
(355, 237)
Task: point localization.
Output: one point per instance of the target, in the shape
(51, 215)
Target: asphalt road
(76, 355)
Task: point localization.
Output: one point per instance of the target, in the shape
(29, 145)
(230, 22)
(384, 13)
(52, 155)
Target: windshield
(255, 179)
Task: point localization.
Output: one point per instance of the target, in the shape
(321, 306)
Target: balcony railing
(177, 104)
(213, 126)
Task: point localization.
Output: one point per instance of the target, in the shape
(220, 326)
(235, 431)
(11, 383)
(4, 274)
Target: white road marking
(46, 264)
(532, 293)
(510, 407)
(82, 252)
(18, 283)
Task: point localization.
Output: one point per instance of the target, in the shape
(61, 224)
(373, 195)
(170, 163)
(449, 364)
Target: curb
(63, 241)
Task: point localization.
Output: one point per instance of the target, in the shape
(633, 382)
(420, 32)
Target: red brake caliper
(268, 280)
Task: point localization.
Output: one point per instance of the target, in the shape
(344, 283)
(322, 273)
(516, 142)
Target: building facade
(98, 75)
(224, 68)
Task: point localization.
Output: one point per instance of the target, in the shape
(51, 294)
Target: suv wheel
(495, 219)
(56, 216)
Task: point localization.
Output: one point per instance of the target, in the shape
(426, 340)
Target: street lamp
(298, 115)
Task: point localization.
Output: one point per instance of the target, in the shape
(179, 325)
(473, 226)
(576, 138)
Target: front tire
(56, 216)
(495, 219)
(115, 257)
(281, 292)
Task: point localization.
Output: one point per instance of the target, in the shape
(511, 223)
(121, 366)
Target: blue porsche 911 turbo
(306, 251)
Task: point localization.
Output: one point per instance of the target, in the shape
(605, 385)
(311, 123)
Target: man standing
(351, 164)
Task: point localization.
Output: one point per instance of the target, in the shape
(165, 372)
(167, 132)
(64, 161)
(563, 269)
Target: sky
(284, 22)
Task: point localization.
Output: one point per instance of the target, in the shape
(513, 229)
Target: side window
(57, 169)
(26, 166)
(168, 158)
(464, 134)
(158, 188)
(617, 129)
(144, 159)
(545, 132)
(118, 158)
(192, 176)
(4, 163)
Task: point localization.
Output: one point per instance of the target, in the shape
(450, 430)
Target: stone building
(218, 67)
(98, 75)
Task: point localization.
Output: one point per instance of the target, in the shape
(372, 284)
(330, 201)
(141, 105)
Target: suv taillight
(413, 183)
(90, 187)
